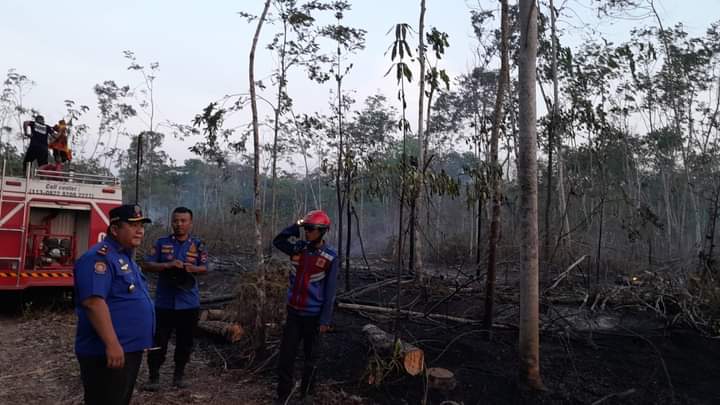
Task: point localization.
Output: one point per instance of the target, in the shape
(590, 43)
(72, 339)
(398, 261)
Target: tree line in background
(628, 139)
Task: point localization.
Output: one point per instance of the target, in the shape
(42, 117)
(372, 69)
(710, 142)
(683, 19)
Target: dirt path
(39, 367)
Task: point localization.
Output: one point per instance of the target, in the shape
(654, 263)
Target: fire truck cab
(47, 220)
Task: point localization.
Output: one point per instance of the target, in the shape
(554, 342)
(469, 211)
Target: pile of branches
(244, 307)
(678, 297)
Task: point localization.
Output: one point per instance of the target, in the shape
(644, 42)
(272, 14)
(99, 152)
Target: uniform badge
(320, 262)
(192, 249)
(131, 288)
(103, 250)
(123, 266)
(100, 268)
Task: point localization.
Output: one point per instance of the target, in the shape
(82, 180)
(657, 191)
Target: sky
(66, 47)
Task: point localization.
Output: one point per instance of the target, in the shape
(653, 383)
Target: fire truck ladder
(19, 259)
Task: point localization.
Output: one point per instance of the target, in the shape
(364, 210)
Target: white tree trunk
(529, 340)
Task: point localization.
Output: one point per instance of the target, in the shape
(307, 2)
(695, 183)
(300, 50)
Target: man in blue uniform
(38, 149)
(311, 297)
(116, 319)
(177, 303)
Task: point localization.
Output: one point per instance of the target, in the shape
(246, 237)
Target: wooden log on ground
(415, 314)
(412, 357)
(214, 315)
(441, 379)
(232, 332)
(373, 287)
(371, 308)
(217, 299)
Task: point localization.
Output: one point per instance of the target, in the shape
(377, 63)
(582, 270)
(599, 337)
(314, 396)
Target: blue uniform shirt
(313, 278)
(167, 249)
(109, 272)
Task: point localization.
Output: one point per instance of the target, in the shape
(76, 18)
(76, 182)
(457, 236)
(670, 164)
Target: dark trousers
(183, 322)
(60, 155)
(36, 152)
(298, 328)
(109, 386)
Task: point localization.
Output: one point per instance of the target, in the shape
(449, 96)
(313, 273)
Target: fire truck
(48, 219)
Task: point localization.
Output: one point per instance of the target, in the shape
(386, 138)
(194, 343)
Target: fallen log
(371, 308)
(218, 299)
(232, 332)
(373, 287)
(383, 343)
(214, 315)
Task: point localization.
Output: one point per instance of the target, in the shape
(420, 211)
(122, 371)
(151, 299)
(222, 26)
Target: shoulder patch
(100, 268)
(193, 248)
(327, 256)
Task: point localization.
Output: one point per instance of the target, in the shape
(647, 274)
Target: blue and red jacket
(313, 279)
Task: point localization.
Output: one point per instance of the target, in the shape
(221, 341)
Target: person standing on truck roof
(59, 144)
(177, 258)
(311, 297)
(116, 317)
(38, 134)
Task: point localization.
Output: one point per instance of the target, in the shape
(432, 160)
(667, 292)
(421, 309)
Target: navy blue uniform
(310, 299)
(38, 149)
(109, 272)
(177, 302)
(192, 251)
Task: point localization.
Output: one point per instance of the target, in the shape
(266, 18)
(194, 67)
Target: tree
(302, 49)
(529, 342)
(495, 174)
(259, 324)
(416, 208)
(115, 109)
(399, 49)
(148, 106)
(349, 40)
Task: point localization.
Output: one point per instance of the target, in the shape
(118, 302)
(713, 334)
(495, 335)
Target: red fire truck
(47, 220)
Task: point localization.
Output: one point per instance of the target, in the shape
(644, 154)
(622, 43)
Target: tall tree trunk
(496, 170)
(340, 169)
(276, 130)
(416, 249)
(552, 128)
(529, 339)
(259, 324)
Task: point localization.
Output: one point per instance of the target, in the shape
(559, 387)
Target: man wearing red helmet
(310, 298)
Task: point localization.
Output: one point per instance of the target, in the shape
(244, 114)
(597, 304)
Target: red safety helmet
(317, 218)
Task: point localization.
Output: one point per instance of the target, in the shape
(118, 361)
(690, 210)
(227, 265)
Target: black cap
(128, 213)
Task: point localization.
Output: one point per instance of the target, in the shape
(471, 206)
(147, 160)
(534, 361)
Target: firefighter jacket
(108, 271)
(177, 289)
(313, 278)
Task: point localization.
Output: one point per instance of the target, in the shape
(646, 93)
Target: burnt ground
(612, 355)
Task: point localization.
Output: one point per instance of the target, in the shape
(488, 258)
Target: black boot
(179, 377)
(153, 383)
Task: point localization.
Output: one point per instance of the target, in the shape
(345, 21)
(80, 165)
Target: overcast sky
(67, 47)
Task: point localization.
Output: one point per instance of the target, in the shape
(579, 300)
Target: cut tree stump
(441, 379)
(413, 358)
(232, 332)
